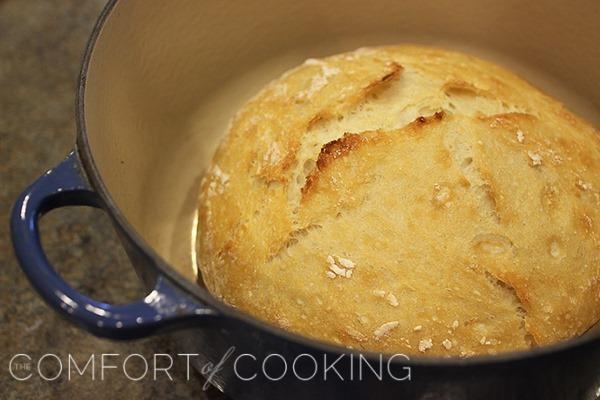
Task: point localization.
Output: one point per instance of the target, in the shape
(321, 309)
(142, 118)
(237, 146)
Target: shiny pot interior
(165, 78)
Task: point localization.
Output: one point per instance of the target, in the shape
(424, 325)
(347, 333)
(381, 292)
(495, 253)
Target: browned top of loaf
(406, 199)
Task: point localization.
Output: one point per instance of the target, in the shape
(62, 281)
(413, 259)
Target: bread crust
(406, 199)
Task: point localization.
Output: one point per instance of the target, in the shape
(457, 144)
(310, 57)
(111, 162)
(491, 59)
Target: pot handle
(165, 307)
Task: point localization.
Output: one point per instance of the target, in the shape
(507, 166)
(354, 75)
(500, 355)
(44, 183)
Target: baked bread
(406, 199)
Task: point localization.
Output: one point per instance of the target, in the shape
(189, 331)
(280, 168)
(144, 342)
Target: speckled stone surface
(41, 43)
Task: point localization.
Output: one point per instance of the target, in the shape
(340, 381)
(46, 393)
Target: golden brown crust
(329, 153)
(407, 199)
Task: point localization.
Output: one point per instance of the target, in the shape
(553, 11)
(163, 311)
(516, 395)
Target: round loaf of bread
(406, 199)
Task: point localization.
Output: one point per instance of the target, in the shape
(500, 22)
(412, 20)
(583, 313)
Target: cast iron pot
(158, 84)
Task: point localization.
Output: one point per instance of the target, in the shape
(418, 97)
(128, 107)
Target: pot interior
(166, 77)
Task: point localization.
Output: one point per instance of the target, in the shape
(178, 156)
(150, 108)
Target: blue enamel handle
(165, 307)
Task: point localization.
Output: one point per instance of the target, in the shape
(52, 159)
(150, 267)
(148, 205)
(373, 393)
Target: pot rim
(93, 175)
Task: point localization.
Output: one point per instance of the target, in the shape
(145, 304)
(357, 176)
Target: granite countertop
(41, 43)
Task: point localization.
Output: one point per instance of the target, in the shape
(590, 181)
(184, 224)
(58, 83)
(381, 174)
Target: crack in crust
(373, 87)
(340, 147)
(292, 239)
(511, 291)
(333, 109)
(330, 152)
(459, 86)
(425, 120)
(291, 170)
(361, 95)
